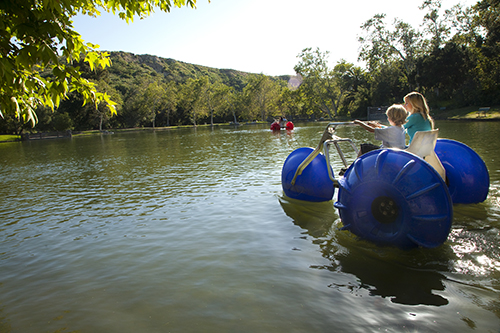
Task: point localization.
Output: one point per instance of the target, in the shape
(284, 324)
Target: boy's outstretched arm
(366, 126)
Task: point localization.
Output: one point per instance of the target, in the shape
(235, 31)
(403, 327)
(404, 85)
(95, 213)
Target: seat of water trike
(423, 145)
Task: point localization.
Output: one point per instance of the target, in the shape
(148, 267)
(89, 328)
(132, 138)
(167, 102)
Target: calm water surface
(187, 231)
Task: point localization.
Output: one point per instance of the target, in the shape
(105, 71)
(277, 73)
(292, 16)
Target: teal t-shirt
(415, 123)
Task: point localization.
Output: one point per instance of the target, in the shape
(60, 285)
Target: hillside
(127, 66)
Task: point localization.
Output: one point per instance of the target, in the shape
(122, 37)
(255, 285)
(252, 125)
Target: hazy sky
(257, 36)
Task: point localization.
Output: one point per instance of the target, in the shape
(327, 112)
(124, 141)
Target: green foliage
(443, 74)
(488, 57)
(435, 24)
(454, 60)
(62, 122)
(152, 91)
(33, 33)
(317, 85)
(47, 72)
(382, 46)
(326, 91)
(261, 96)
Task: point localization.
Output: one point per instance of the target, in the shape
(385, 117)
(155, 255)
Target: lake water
(187, 230)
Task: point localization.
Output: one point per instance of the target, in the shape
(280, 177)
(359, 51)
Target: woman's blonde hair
(397, 114)
(419, 105)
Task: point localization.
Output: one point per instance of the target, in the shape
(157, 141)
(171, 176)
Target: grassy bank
(9, 138)
(468, 113)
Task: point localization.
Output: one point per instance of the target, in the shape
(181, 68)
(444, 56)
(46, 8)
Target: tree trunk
(232, 109)
(327, 109)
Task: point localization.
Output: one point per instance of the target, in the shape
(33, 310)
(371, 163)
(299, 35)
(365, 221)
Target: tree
(445, 72)
(229, 95)
(219, 99)
(136, 111)
(347, 80)
(387, 85)
(465, 22)
(33, 35)
(478, 33)
(353, 85)
(381, 46)
(152, 100)
(323, 87)
(102, 110)
(62, 122)
(488, 18)
(212, 94)
(261, 95)
(169, 99)
(436, 24)
(291, 99)
(192, 99)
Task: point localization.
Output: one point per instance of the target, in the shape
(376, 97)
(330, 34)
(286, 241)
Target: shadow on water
(467, 264)
(383, 274)
(4, 322)
(406, 277)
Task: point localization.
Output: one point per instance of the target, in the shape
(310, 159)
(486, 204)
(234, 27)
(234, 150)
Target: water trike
(278, 125)
(391, 196)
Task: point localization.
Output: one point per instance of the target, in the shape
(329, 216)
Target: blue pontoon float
(393, 197)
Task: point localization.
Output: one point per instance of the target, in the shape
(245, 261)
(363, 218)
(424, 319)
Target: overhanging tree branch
(38, 47)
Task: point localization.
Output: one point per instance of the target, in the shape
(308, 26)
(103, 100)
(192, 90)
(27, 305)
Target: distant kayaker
(276, 126)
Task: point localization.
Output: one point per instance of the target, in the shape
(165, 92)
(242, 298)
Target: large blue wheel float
(314, 184)
(389, 196)
(467, 176)
(393, 197)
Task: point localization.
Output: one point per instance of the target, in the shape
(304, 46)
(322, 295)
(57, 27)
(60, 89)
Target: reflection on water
(380, 271)
(187, 231)
(315, 217)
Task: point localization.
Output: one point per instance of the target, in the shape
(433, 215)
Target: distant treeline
(453, 59)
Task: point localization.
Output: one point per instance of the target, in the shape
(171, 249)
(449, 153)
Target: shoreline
(13, 138)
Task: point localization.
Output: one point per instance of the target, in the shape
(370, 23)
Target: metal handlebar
(326, 139)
